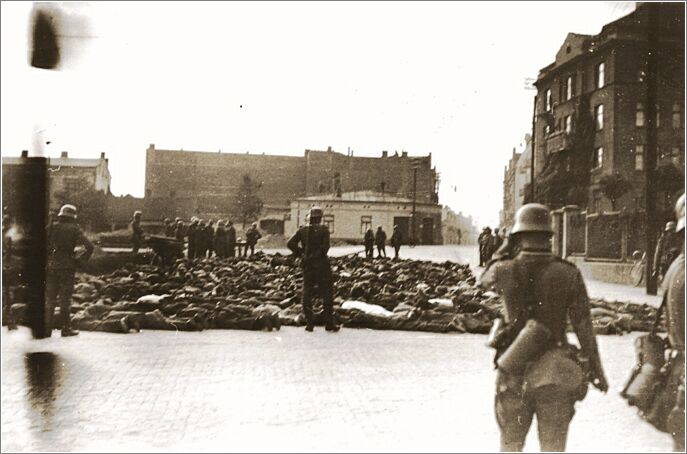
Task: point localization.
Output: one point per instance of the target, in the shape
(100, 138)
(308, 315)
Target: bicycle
(637, 270)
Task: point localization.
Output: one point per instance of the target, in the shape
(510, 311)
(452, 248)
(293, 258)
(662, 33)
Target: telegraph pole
(650, 163)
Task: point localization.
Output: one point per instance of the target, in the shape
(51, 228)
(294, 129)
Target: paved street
(285, 391)
(358, 390)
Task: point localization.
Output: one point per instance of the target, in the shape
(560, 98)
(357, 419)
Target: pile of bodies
(263, 292)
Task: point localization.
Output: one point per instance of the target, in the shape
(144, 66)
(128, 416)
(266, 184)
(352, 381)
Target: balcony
(558, 141)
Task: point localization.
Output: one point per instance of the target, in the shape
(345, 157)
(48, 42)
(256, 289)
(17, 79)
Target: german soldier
(63, 236)
(136, 232)
(192, 233)
(311, 242)
(539, 373)
(380, 241)
(674, 294)
(369, 241)
(169, 228)
(220, 240)
(396, 241)
(667, 249)
(231, 239)
(252, 237)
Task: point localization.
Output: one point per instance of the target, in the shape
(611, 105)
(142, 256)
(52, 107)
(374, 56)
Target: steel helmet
(68, 211)
(680, 213)
(137, 213)
(533, 217)
(670, 225)
(316, 212)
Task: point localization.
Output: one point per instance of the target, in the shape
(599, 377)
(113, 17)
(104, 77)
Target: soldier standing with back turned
(311, 242)
(538, 371)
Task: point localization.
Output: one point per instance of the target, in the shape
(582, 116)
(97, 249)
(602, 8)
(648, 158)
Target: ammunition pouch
(559, 368)
(530, 342)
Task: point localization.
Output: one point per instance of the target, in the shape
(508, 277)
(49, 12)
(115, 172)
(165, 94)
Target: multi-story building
(64, 173)
(457, 228)
(516, 177)
(186, 183)
(590, 112)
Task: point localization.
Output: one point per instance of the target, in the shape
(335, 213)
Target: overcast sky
(442, 78)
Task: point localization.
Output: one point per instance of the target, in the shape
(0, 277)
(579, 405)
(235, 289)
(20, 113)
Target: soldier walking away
(252, 237)
(231, 239)
(674, 298)
(311, 242)
(369, 241)
(380, 241)
(201, 239)
(63, 236)
(485, 245)
(136, 232)
(396, 241)
(210, 237)
(179, 229)
(667, 249)
(538, 372)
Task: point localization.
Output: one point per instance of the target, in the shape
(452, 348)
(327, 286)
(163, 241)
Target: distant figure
(6, 267)
(667, 249)
(220, 240)
(201, 239)
(485, 241)
(369, 241)
(210, 236)
(396, 241)
(252, 237)
(63, 236)
(179, 229)
(136, 232)
(231, 239)
(192, 234)
(169, 228)
(380, 241)
(496, 242)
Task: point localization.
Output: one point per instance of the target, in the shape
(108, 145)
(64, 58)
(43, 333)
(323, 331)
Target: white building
(349, 216)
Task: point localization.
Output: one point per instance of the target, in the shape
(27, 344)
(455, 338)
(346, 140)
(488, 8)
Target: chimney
(102, 155)
(25, 153)
(64, 155)
(385, 154)
(329, 149)
(404, 154)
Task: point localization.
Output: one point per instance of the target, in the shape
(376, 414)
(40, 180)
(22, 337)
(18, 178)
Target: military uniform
(312, 243)
(192, 233)
(396, 241)
(63, 236)
(369, 241)
(557, 289)
(666, 251)
(380, 241)
(252, 237)
(136, 234)
(231, 241)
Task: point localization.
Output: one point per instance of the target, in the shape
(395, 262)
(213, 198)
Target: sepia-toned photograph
(342, 226)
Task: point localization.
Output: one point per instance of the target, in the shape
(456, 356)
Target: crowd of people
(489, 243)
(204, 238)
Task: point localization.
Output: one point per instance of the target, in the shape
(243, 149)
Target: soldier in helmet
(136, 232)
(63, 236)
(538, 372)
(667, 249)
(674, 298)
(169, 228)
(311, 242)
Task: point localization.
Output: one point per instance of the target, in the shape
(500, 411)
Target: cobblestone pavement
(357, 390)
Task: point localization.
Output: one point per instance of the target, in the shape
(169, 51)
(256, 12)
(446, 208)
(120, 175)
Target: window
(677, 116)
(639, 157)
(328, 220)
(568, 124)
(547, 130)
(596, 201)
(548, 100)
(599, 115)
(600, 75)
(568, 88)
(658, 115)
(365, 224)
(639, 118)
(599, 158)
(72, 184)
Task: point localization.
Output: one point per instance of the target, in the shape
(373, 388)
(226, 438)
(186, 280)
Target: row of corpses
(263, 293)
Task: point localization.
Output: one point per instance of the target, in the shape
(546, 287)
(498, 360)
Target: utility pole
(534, 124)
(650, 163)
(414, 237)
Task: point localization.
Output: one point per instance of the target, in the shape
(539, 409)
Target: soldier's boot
(276, 322)
(69, 332)
(332, 328)
(309, 327)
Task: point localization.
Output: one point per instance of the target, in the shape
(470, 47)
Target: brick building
(350, 214)
(64, 173)
(516, 177)
(187, 183)
(590, 112)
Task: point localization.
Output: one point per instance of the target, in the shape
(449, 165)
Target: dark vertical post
(650, 164)
(534, 125)
(414, 236)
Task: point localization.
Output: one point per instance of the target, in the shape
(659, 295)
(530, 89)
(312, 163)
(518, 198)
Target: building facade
(64, 173)
(187, 183)
(457, 228)
(590, 112)
(516, 177)
(349, 215)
